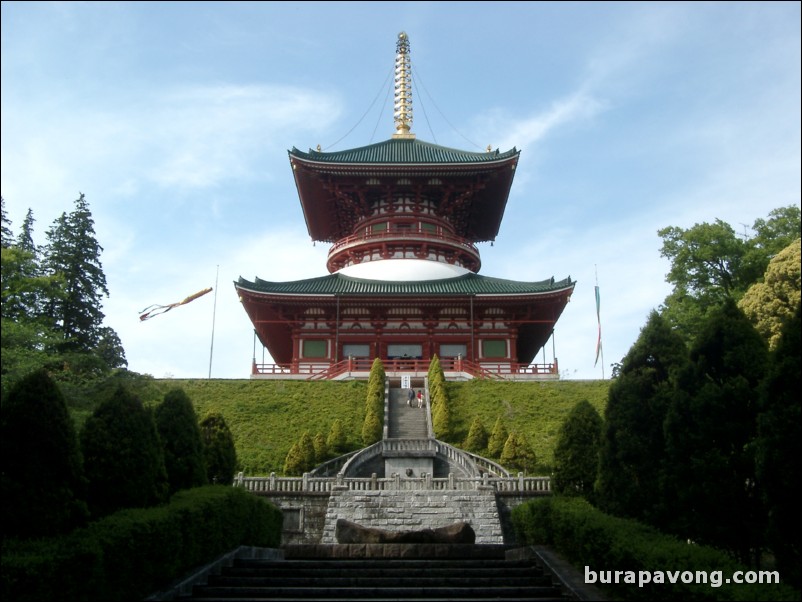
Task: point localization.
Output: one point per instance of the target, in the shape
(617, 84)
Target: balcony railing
(322, 371)
(393, 235)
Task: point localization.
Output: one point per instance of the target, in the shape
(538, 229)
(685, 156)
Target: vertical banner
(598, 319)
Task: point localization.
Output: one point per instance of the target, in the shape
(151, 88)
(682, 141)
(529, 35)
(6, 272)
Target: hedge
(595, 541)
(133, 553)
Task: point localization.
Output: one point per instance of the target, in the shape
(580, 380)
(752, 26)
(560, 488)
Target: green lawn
(266, 417)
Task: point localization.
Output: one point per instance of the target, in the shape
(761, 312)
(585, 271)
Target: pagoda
(403, 218)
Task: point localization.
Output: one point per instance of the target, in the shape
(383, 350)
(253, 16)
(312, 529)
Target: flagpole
(214, 315)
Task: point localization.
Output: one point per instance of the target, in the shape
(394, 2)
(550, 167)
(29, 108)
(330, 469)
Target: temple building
(403, 218)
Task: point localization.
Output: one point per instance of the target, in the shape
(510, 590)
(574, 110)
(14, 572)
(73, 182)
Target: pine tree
(709, 427)
(477, 437)
(306, 445)
(778, 452)
(180, 435)
(576, 455)
(435, 374)
(6, 237)
(219, 451)
(441, 412)
(294, 462)
(498, 437)
(73, 252)
(633, 450)
(374, 404)
(517, 453)
(336, 441)
(43, 481)
(123, 456)
(321, 449)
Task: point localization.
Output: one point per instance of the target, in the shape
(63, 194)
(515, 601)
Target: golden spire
(403, 89)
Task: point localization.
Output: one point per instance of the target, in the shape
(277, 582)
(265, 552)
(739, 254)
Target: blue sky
(174, 119)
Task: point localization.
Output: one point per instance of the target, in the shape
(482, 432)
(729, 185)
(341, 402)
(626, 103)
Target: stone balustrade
(310, 484)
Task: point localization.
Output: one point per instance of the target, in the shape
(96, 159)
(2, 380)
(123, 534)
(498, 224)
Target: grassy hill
(267, 417)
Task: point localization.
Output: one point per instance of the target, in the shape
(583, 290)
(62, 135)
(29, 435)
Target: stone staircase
(396, 572)
(405, 422)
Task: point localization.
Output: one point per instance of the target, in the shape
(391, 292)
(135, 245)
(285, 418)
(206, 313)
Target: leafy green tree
(73, 252)
(123, 456)
(219, 450)
(778, 452)
(705, 269)
(772, 235)
(710, 423)
(517, 453)
(576, 455)
(771, 302)
(180, 435)
(25, 337)
(498, 437)
(336, 441)
(477, 437)
(43, 482)
(633, 449)
(711, 263)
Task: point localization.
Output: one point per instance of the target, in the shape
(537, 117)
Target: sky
(174, 119)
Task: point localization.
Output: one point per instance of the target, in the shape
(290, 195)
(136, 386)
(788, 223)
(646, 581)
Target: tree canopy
(770, 303)
(52, 296)
(710, 263)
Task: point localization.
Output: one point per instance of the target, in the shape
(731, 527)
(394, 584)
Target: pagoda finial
(403, 89)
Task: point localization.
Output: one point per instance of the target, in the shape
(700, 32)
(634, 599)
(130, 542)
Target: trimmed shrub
(576, 456)
(181, 440)
(134, 553)
(587, 537)
(43, 480)
(219, 452)
(123, 456)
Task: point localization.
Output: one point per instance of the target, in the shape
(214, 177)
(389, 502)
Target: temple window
(494, 348)
(314, 349)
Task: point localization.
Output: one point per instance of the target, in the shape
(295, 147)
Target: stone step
(379, 579)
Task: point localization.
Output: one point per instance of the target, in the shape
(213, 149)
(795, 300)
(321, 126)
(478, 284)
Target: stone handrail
(309, 484)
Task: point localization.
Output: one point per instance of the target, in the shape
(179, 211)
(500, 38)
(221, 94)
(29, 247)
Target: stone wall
(415, 510)
(304, 515)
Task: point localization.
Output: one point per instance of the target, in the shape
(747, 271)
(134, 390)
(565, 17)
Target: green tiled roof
(404, 151)
(467, 284)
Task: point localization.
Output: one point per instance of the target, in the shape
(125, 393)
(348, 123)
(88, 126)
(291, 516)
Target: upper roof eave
(404, 152)
(467, 284)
